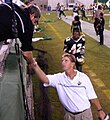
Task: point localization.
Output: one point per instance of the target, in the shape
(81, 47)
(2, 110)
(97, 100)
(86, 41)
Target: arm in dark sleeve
(26, 35)
(83, 47)
(65, 49)
(80, 26)
(83, 43)
(26, 40)
(65, 46)
(68, 43)
(103, 23)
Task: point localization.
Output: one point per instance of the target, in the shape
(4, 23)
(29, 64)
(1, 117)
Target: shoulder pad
(67, 39)
(83, 39)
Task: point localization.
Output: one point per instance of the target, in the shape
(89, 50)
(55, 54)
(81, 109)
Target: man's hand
(101, 115)
(28, 56)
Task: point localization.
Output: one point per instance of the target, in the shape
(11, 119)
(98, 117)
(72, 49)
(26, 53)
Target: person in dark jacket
(96, 18)
(26, 19)
(76, 23)
(83, 12)
(100, 27)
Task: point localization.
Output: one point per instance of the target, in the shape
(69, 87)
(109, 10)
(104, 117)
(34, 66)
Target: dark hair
(101, 14)
(76, 30)
(34, 9)
(76, 18)
(99, 7)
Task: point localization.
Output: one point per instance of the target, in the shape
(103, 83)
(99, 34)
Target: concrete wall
(41, 3)
(53, 3)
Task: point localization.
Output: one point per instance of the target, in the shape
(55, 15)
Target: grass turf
(97, 60)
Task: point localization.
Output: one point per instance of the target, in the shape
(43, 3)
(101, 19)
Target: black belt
(75, 113)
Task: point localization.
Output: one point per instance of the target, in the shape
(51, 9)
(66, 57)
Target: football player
(76, 45)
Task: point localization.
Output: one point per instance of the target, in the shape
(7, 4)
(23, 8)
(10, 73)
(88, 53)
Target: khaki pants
(86, 115)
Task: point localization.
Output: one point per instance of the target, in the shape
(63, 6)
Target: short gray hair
(34, 9)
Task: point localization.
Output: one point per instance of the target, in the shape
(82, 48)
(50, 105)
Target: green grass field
(97, 64)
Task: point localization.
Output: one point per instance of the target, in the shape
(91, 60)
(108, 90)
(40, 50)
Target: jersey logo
(79, 83)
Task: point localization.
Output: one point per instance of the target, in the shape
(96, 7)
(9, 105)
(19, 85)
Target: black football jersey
(75, 47)
(24, 25)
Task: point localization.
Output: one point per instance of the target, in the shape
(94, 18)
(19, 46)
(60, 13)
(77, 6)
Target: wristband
(100, 110)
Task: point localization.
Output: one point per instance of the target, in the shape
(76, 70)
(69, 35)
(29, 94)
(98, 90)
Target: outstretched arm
(28, 56)
(101, 113)
(42, 76)
(33, 64)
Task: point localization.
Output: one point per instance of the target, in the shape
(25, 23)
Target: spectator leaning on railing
(26, 19)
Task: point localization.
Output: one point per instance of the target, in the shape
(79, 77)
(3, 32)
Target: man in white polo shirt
(74, 89)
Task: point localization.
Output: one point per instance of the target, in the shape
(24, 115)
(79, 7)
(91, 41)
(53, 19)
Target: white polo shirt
(73, 94)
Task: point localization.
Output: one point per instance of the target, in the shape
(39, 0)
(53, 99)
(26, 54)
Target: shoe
(101, 43)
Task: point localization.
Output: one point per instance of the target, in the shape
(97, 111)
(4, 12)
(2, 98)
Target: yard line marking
(59, 36)
(107, 93)
(98, 82)
(92, 73)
